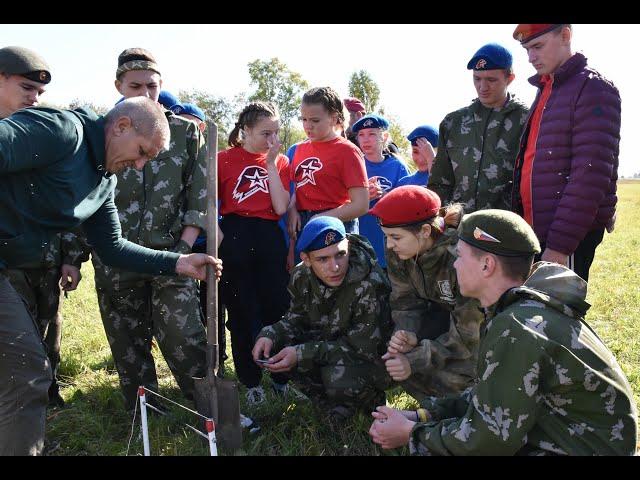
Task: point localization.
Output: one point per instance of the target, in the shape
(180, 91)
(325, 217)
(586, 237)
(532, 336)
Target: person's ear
(385, 136)
(305, 258)
(118, 85)
(489, 264)
(121, 126)
(511, 78)
(425, 230)
(566, 35)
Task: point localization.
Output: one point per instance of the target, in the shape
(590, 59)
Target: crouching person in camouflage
(335, 331)
(434, 346)
(546, 383)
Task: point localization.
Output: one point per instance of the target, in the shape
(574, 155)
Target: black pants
(580, 261)
(222, 337)
(253, 286)
(25, 377)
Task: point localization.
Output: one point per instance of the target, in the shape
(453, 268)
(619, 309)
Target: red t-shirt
(530, 151)
(243, 183)
(325, 171)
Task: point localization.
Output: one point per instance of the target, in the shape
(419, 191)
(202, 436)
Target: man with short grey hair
(56, 173)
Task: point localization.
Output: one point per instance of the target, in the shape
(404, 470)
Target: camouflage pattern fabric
(546, 384)
(339, 333)
(475, 161)
(443, 363)
(154, 205)
(136, 308)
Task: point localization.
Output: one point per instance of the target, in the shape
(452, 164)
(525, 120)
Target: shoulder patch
(445, 288)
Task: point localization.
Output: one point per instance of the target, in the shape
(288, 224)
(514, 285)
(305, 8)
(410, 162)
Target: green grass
(94, 421)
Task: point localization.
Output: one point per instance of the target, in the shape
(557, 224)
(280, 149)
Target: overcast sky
(420, 69)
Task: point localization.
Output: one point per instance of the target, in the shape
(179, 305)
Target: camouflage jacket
(450, 358)
(66, 248)
(353, 318)
(546, 383)
(155, 203)
(478, 149)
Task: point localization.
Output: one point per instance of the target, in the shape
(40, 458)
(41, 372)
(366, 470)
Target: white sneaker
(256, 396)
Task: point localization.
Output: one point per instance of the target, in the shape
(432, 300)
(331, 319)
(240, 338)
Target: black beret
(24, 62)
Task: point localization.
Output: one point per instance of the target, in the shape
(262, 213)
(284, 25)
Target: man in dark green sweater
(56, 173)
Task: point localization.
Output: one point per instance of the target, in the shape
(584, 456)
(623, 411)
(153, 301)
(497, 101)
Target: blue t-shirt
(388, 173)
(419, 178)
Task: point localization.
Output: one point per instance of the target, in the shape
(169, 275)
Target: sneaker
(285, 390)
(249, 423)
(256, 396)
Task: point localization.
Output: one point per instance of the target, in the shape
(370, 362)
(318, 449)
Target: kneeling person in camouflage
(546, 384)
(335, 331)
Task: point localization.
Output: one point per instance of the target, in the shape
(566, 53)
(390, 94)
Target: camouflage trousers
(40, 289)
(343, 381)
(135, 308)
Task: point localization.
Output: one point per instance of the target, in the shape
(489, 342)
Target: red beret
(528, 31)
(406, 205)
(354, 105)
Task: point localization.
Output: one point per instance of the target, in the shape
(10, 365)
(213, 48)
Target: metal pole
(211, 433)
(143, 419)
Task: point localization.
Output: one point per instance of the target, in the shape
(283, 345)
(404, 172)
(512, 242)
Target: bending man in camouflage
(336, 329)
(546, 383)
(162, 207)
(23, 77)
(478, 144)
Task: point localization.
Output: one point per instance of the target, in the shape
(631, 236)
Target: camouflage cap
(499, 232)
(24, 62)
(136, 59)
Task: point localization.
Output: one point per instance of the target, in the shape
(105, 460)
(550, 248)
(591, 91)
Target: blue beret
(426, 131)
(189, 109)
(370, 121)
(491, 57)
(321, 232)
(167, 99)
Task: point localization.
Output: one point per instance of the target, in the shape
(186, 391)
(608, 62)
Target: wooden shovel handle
(212, 247)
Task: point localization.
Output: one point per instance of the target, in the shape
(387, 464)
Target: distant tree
(79, 102)
(275, 82)
(219, 109)
(399, 137)
(362, 86)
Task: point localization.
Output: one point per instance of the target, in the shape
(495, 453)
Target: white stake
(211, 433)
(143, 419)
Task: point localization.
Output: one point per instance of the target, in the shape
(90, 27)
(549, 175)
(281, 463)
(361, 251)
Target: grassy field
(94, 421)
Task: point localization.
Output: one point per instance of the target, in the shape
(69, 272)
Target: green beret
(24, 62)
(499, 232)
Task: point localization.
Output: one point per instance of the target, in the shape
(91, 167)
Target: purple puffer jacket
(575, 168)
